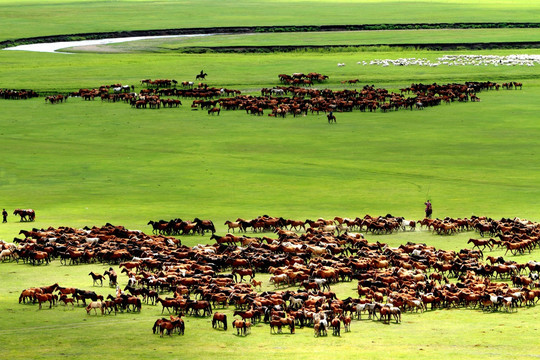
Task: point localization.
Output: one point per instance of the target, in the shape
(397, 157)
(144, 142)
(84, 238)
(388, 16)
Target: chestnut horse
(25, 214)
(241, 326)
(219, 318)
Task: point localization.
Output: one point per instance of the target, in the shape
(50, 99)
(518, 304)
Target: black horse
(202, 75)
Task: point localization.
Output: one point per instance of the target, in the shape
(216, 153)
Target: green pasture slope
(26, 18)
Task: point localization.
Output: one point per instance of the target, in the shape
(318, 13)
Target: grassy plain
(26, 18)
(88, 163)
(66, 333)
(322, 38)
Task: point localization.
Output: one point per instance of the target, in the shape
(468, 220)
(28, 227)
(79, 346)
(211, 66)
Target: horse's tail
(224, 322)
(182, 327)
(214, 323)
(213, 228)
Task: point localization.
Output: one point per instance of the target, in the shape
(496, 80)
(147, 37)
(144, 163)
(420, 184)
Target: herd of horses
(195, 281)
(293, 99)
(14, 94)
(180, 227)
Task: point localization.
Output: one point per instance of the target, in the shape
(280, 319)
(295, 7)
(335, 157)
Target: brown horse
(214, 110)
(336, 326)
(96, 278)
(41, 298)
(204, 225)
(66, 300)
(219, 318)
(242, 273)
(25, 214)
(241, 326)
(233, 225)
(169, 325)
(346, 322)
(481, 243)
(113, 277)
(331, 118)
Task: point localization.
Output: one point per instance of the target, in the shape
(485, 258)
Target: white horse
(95, 305)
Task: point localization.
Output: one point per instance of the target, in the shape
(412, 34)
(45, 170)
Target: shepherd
(429, 209)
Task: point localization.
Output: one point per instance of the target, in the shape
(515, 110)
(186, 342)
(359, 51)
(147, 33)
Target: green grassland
(87, 163)
(439, 36)
(26, 18)
(65, 333)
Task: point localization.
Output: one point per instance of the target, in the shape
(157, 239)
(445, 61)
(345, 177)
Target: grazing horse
(169, 325)
(96, 278)
(95, 305)
(219, 318)
(25, 214)
(331, 118)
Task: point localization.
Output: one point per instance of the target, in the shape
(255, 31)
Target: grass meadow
(88, 163)
(386, 37)
(85, 163)
(25, 18)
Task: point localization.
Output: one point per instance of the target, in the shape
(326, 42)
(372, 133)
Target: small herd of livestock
(302, 268)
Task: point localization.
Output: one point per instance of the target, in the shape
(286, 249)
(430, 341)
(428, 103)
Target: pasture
(84, 163)
(374, 37)
(87, 163)
(25, 18)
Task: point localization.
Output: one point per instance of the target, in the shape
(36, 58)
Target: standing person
(4, 215)
(429, 209)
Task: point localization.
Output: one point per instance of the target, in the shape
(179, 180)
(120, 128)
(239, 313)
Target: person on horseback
(429, 209)
(4, 215)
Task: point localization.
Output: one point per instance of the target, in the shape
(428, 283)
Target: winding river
(55, 46)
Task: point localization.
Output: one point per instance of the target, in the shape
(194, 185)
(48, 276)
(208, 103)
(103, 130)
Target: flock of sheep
(459, 60)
